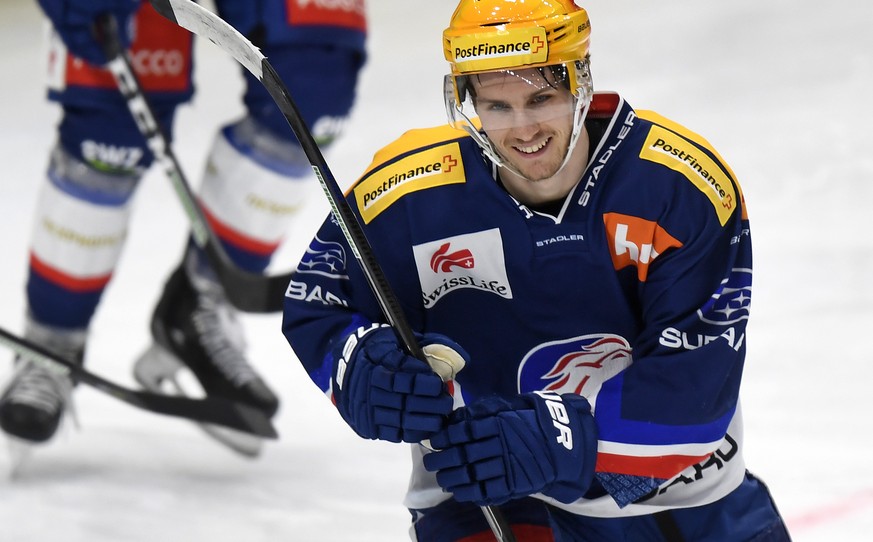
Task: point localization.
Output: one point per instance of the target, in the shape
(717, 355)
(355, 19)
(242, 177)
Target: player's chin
(537, 171)
(537, 168)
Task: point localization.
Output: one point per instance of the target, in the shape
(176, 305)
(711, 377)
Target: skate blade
(241, 443)
(160, 372)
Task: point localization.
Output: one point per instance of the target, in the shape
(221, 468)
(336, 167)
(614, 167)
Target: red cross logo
(536, 44)
(449, 163)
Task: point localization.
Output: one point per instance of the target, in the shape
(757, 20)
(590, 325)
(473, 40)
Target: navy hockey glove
(496, 450)
(74, 20)
(384, 393)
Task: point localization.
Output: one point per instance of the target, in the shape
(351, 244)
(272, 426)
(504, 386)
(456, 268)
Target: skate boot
(195, 328)
(34, 401)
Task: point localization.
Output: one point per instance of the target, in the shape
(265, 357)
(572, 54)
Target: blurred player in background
(250, 191)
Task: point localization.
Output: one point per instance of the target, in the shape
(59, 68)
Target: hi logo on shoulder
(472, 260)
(634, 241)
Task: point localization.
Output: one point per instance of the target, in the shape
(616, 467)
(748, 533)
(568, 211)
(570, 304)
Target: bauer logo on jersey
(473, 260)
(679, 154)
(731, 303)
(498, 49)
(433, 167)
(579, 365)
(635, 241)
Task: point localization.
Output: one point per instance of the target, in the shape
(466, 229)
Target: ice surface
(780, 87)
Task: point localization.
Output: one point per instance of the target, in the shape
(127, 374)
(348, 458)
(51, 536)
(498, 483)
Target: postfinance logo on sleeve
(433, 167)
(679, 154)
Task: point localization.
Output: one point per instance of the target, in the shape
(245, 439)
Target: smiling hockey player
(589, 266)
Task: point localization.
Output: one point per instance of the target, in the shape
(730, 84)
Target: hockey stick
(204, 23)
(212, 410)
(248, 292)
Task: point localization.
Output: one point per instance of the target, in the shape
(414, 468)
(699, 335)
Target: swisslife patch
(433, 167)
(498, 49)
(471, 260)
(679, 154)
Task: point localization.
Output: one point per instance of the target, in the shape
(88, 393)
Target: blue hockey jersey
(635, 293)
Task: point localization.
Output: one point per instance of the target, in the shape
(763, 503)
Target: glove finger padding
(384, 393)
(496, 450)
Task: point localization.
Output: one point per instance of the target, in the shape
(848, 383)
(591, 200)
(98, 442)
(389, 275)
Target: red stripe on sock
(65, 281)
(237, 239)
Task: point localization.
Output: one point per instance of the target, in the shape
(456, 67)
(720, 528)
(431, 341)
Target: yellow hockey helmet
(487, 35)
(513, 35)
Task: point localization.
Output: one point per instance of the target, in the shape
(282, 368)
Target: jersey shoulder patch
(419, 159)
(684, 151)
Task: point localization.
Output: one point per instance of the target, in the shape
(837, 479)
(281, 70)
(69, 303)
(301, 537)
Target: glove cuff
(344, 355)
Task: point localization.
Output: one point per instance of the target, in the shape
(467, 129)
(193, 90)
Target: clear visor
(509, 99)
(492, 102)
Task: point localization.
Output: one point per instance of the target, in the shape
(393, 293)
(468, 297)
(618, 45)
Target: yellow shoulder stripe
(428, 158)
(411, 140)
(686, 133)
(670, 145)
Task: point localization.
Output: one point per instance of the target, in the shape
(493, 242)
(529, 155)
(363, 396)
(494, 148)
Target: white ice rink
(781, 88)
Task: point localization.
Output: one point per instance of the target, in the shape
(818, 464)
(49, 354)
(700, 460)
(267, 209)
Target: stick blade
(202, 22)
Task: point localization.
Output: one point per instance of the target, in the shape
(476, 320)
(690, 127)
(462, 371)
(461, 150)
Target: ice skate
(34, 401)
(196, 333)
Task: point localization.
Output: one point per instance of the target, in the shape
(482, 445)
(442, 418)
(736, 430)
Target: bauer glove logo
(349, 348)
(560, 418)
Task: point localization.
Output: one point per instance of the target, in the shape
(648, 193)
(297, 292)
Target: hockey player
(583, 271)
(250, 191)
